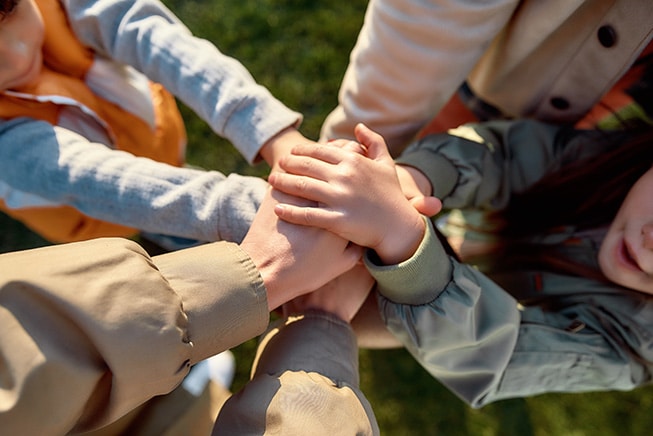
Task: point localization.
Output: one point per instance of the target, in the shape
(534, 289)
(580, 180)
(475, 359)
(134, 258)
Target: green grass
(299, 50)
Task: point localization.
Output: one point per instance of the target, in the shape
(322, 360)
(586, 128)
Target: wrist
(269, 271)
(403, 244)
(280, 145)
(420, 181)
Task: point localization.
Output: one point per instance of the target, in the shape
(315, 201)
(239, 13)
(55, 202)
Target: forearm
(464, 337)
(105, 328)
(475, 340)
(417, 280)
(483, 165)
(471, 335)
(410, 57)
(145, 35)
(223, 295)
(118, 187)
(280, 145)
(310, 360)
(447, 315)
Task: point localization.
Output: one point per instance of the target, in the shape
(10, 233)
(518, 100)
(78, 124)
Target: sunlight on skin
(21, 38)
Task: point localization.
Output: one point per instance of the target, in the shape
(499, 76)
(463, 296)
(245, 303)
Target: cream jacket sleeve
(218, 88)
(410, 57)
(544, 60)
(91, 330)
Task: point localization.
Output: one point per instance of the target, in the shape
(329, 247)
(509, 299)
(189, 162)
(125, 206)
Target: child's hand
(358, 197)
(414, 184)
(417, 189)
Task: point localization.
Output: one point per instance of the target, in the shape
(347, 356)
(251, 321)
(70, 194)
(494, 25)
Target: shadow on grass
(15, 236)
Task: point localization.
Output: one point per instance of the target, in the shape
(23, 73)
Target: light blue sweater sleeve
(57, 166)
(54, 166)
(147, 36)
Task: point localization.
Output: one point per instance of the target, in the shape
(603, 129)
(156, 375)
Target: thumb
(428, 206)
(375, 144)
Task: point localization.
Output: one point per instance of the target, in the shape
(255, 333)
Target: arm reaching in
(357, 197)
(281, 144)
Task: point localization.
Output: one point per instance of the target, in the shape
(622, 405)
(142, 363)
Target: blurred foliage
(296, 49)
(299, 50)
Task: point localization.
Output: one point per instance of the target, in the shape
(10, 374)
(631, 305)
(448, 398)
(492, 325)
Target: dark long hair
(583, 193)
(7, 7)
(587, 192)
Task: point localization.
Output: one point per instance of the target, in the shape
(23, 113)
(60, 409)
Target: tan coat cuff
(223, 295)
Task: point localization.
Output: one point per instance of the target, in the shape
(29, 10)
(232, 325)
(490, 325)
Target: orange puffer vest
(66, 62)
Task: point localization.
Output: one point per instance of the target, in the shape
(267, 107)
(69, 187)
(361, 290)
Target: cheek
(604, 255)
(638, 206)
(609, 251)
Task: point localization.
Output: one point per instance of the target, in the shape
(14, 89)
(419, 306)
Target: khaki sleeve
(91, 330)
(304, 381)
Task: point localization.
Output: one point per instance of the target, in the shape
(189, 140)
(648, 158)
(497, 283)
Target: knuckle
(347, 169)
(307, 164)
(301, 184)
(307, 216)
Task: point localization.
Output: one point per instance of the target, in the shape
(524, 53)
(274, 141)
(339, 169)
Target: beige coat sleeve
(304, 381)
(91, 330)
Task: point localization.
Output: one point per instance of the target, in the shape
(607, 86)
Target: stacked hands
(333, 200)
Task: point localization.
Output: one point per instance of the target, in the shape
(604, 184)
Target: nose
(647, 236)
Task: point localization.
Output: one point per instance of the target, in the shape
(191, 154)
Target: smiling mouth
(627, 257)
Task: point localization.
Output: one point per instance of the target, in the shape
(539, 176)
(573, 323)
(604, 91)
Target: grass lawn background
(299, 50)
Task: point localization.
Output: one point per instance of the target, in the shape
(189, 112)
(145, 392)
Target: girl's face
(21, 38)
(626, 254)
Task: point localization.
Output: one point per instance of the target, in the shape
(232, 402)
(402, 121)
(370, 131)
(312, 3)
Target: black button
(559, 103)
(607, 36)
